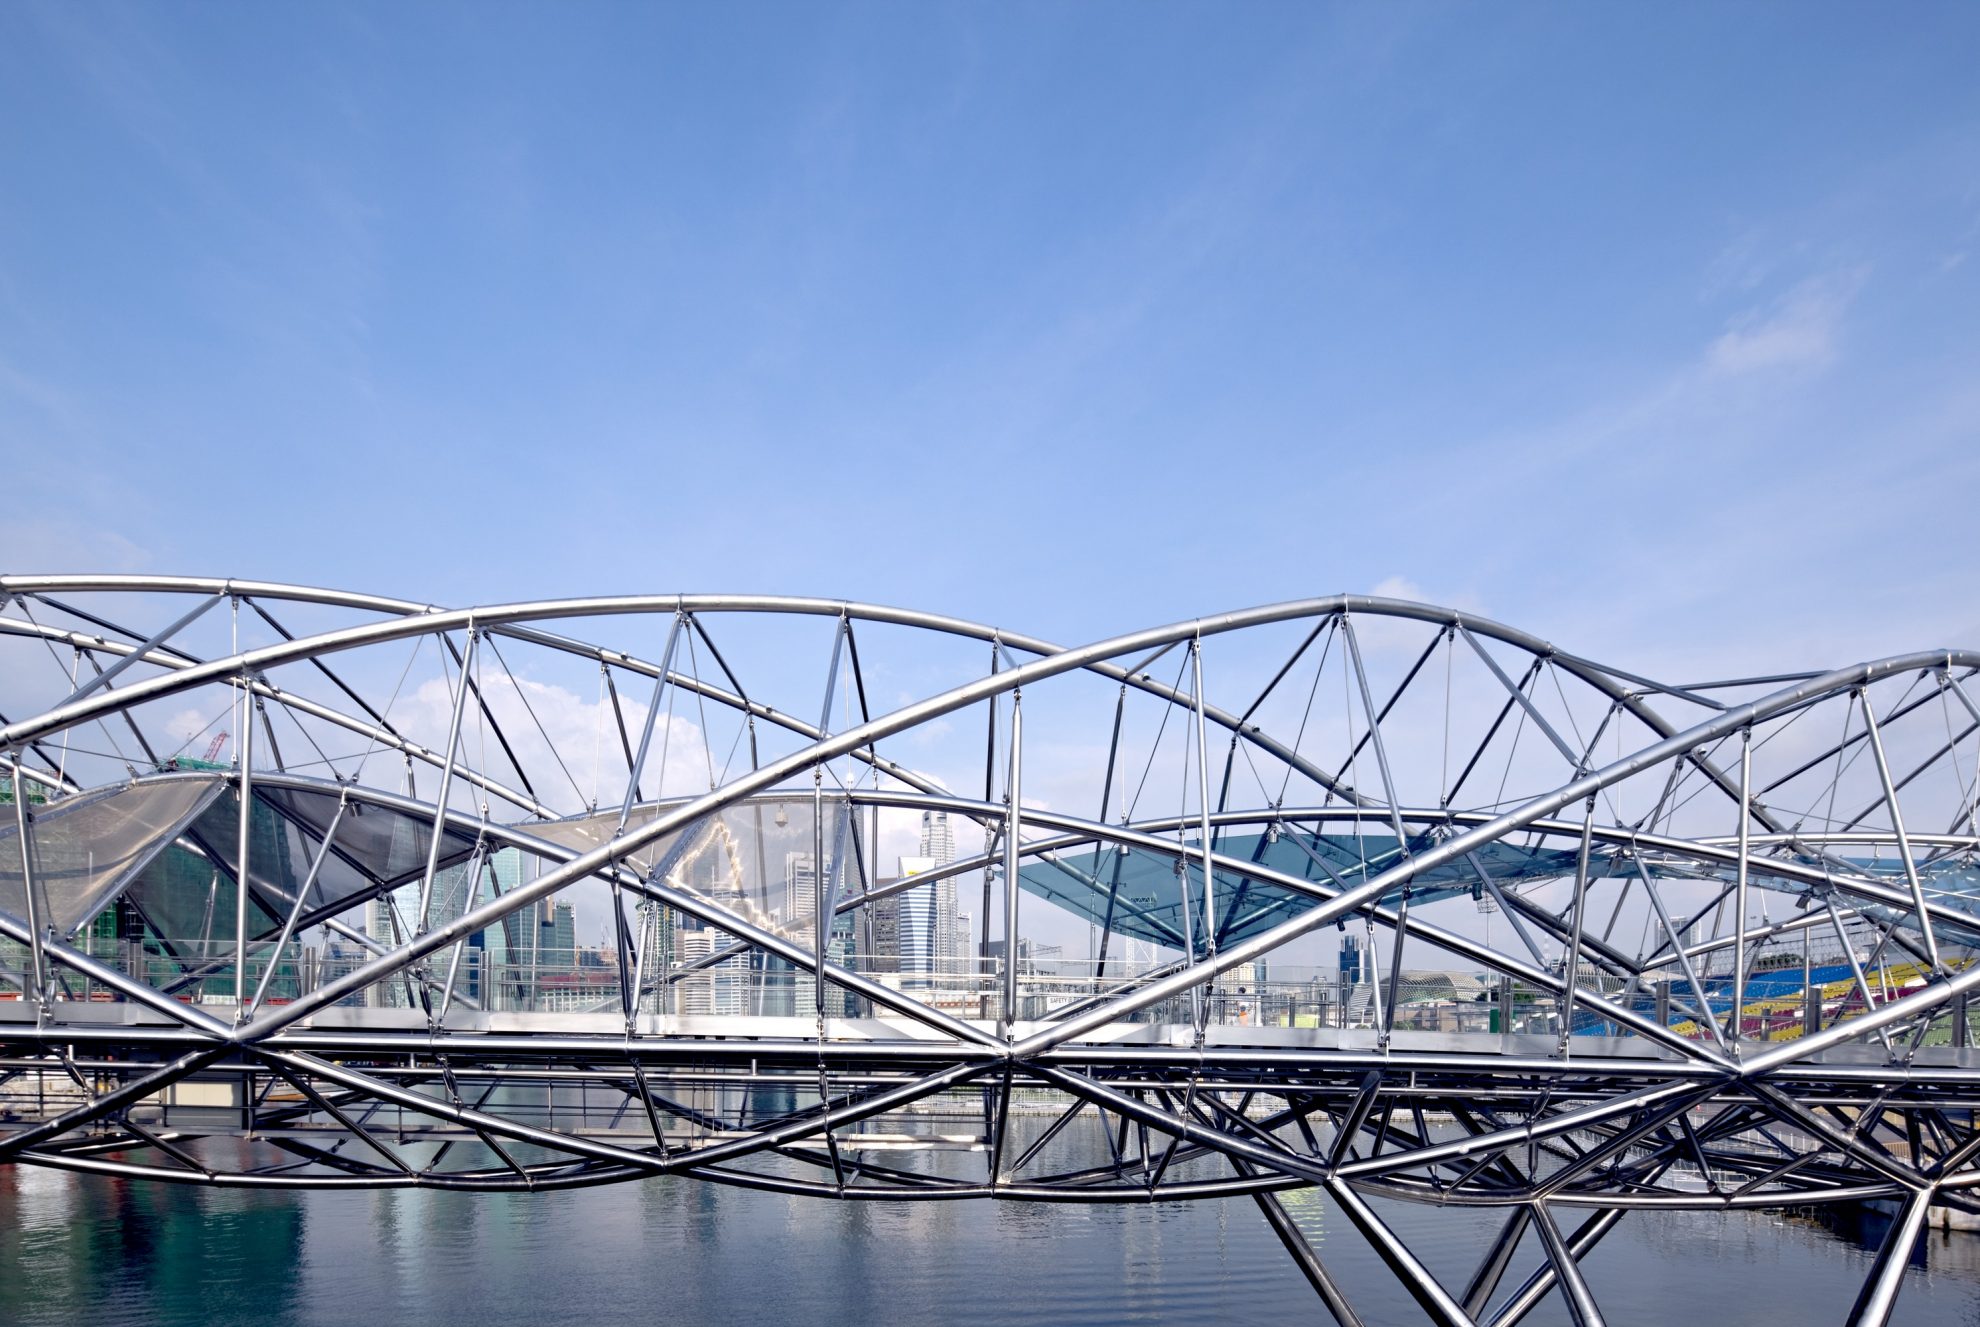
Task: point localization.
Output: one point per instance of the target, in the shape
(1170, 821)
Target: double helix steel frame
(1653, 1078)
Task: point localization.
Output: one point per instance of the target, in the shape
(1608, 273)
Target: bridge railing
(1775, 1005)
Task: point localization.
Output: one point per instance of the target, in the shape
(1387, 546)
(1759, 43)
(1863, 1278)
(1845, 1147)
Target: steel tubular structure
(1384, 900)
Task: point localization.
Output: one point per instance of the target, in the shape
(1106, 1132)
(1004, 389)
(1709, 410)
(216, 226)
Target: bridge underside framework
(1611, 943)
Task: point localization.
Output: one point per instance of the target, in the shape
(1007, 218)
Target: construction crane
(213, 747)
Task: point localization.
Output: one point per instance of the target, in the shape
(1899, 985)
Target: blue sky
(1653, 329)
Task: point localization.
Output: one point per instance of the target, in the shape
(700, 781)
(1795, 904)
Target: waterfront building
(917, 911)
(938, 840)
(550, 945)
(653, 942)
(786, 989)
(883, 950)
(933, 931)
(721, 988)
(392, 918)
(801, 893)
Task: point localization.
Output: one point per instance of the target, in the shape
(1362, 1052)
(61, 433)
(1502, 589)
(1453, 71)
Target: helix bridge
(1375, 901)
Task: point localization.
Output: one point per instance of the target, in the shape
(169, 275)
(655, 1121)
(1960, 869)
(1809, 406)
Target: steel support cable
(1394, 696)
(512, 620)
(1478, 753)
(62, 770)
(1084, 831)
(1845, 743)
(1950, 753)
(701, 707)
(105, 624)
(1760, 813)
(289, 712)
(1154, 747)
(1598, 676)
(1950, 748)
(1502, 825)
(522, 694)
(1173, 692)
(1319, 670)
(384, 736)
(266, 779)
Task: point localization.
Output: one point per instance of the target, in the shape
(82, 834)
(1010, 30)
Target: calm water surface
(84, 1249)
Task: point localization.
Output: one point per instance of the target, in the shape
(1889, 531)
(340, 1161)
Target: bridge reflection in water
(79, 1247)
(1603, 945)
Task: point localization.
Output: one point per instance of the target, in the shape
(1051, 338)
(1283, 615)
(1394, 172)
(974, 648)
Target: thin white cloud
(1801, 330)
(1402, 587)
(566, 742)
(1399, 587)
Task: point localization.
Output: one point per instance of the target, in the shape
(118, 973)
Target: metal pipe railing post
(1203, 807)
(1903, 839)
(819, 920)
(28, 886)
(660, 679)
(1570, 974)
(241, 854)
(423, 924)
(1734, 1016)
(1011, 824)
(296, 911)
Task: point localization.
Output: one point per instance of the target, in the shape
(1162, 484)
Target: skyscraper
(392, 919)
(918, 913)
(721, 988)
(932, 914)
(800, 889)
(787, 990)
(884, 947)
(927, 927)
(937, 839)
(653, 938)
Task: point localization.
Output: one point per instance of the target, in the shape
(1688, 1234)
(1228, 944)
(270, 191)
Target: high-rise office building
(720, 988)
(917, 913)
(883, 947)
(801, 892)
(653, 941)
(787, 990)
(392, 919)
(937, 839)
(933, 929)
(556, 938)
